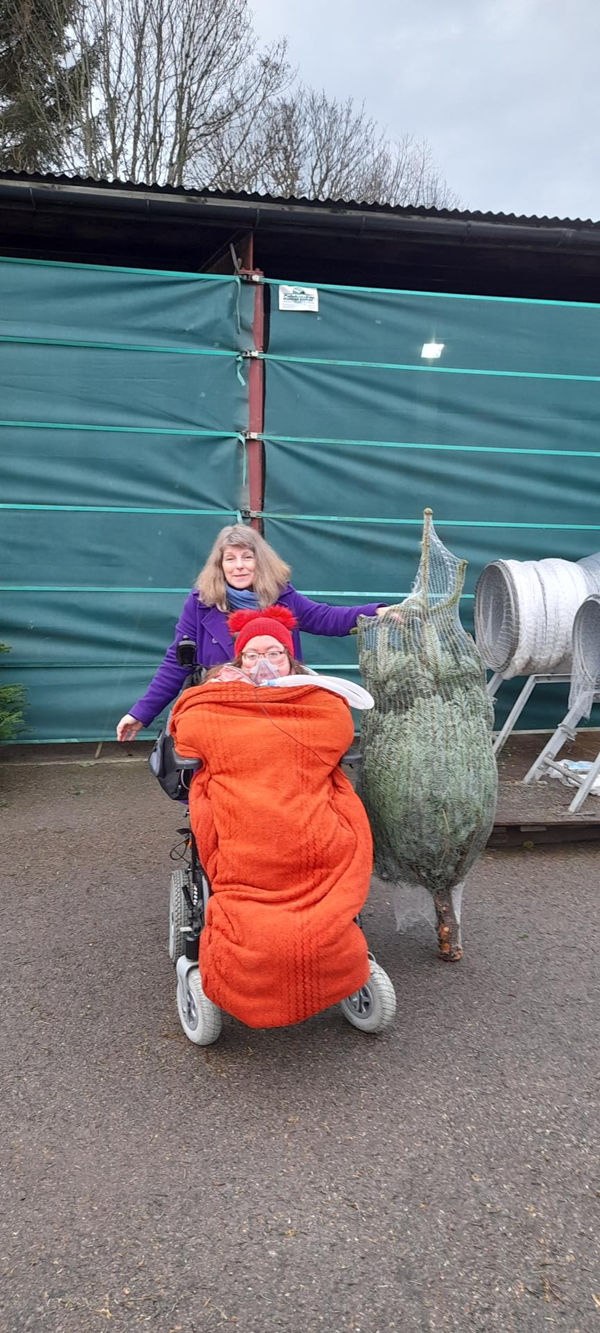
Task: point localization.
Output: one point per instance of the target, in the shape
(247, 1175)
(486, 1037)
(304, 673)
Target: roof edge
(40, 186)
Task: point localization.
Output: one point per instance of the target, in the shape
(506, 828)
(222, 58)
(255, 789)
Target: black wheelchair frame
(196, 891)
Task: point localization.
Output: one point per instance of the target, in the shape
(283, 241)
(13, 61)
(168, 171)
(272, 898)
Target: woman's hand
(128, 727)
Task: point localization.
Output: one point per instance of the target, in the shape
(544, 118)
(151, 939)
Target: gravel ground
(444, 1176)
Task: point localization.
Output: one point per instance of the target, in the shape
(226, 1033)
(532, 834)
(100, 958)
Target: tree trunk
(447, 910)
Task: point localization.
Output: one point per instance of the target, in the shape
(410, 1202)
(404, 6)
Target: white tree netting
(525, 610)
(585, 672)
(428, 774)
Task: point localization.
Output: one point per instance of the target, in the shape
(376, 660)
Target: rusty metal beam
(255, 453)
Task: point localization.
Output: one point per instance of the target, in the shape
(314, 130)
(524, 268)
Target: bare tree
(154, 82)
(308, 144)
(174, 76)
(406, 172)
(178, 91)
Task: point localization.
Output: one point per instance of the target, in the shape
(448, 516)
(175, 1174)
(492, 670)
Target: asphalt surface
(444, 1176)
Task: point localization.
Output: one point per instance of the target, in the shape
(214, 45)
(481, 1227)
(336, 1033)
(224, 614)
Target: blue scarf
(241, 599)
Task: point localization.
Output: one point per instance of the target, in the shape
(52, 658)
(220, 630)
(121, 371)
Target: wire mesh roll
(585, 675)
(497, 615)
(525, 611)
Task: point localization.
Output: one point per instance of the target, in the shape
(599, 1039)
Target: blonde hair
(270, 576)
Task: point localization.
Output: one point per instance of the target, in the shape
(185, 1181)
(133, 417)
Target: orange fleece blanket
(286, 846)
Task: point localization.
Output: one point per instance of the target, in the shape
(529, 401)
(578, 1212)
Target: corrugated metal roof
(331, 205)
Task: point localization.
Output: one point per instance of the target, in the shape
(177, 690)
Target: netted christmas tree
(428, 773)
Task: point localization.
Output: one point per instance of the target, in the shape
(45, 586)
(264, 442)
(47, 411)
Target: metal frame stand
(547, 678)
(565, 731)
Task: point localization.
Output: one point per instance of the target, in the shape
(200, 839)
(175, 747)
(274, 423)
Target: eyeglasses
(273, 655)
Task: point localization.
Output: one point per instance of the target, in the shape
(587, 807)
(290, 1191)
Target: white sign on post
(298, 298)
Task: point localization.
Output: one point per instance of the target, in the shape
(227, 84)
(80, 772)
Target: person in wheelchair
(283, 841)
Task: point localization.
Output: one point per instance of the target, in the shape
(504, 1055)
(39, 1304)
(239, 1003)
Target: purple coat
(207, 626)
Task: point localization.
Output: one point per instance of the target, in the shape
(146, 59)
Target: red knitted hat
(274, 620)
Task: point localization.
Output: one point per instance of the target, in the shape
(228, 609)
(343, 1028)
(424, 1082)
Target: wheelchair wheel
(178, 915)
(373, 1007)
(199, 1017)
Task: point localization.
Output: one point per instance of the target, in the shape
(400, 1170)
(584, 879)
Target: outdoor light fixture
(432, 351)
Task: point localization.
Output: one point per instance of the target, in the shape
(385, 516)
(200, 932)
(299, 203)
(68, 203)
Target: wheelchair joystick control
(186, 654)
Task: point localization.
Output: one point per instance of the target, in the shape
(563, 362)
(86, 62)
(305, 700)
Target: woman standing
(242, 573)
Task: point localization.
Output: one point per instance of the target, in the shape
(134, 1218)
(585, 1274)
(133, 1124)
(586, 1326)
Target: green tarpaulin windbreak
(124, 398)
(499, 435)
(123, 395)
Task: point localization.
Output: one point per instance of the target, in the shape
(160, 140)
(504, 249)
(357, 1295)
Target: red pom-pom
(239, 619)
(282, 614)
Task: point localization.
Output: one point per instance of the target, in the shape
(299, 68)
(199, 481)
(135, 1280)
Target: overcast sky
(506, 91)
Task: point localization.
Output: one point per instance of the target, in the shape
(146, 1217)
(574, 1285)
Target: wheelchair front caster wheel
(199, 1017)
(373, 1007)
